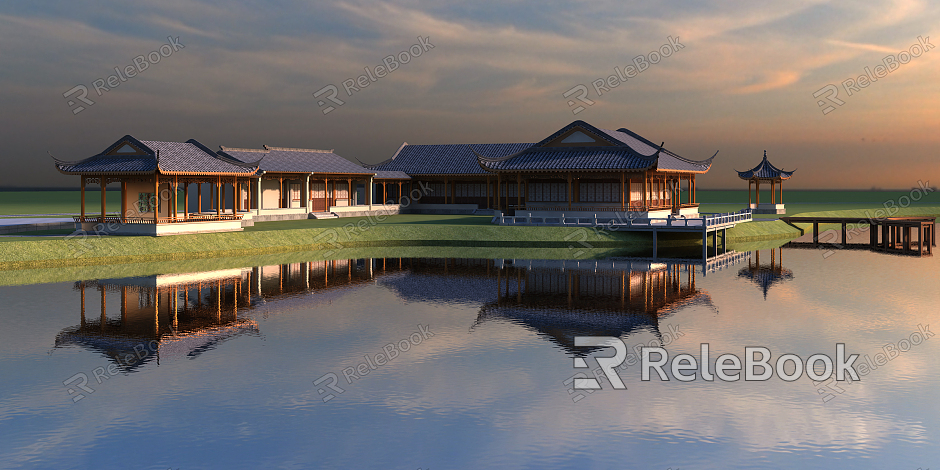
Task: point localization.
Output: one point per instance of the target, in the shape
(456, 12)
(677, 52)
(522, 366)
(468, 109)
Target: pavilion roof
(766, 276)
(765, 170)
(602, 150)
(129, 156)
(296, 160)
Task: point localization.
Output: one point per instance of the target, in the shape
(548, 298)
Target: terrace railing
(705, 222)
(160, 220)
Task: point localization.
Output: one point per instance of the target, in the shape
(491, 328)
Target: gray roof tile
(284, 160)
(765, 169)
(172, 157)
(445, 159)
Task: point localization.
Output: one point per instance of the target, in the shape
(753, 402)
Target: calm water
(466, 364)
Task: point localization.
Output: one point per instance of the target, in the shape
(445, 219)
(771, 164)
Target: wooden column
(569, 192)
(104, 308)
(326, 197)
(757, 191)
(646, 184)
(156, 197)
(334, 192)
(185, 200)
(104, 204)
(218, 197)
(83, 197)
(199, 197)
(235, 196)
(496, 191)
(488, 205)
(123, 201)
(749, 193)
(349, 200)
(174, 198)
(518, 190)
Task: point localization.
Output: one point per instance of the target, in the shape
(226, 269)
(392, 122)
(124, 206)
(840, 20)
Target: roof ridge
(236, 149)
(294, 149)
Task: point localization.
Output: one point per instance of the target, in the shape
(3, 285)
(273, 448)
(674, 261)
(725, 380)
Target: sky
(740, 78)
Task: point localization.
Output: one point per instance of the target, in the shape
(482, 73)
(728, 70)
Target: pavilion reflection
(766, 275)
(564, 299)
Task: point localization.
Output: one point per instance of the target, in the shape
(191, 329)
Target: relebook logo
(756, 364)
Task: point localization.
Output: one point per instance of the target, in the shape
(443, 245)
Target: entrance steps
(323, 215)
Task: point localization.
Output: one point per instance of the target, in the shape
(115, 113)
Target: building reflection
(177, 314)
(564, 299)
(138, 320)
(766, 275)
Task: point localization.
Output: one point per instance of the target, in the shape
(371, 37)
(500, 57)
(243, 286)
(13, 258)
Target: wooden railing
(636, 207)
(705, 222)
(160, 220)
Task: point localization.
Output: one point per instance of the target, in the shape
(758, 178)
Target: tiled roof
(292, 160)
(574, 158)
(669, 161)
(445, 159)
(171, 157)
(765, 169)
(391, 175)
(110, 164)
(628, 151)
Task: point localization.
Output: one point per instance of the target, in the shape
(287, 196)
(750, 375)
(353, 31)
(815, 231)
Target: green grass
(112, 271)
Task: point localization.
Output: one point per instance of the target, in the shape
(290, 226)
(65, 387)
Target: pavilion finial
(765, 155)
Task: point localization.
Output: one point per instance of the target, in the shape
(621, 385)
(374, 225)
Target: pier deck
(890, 234)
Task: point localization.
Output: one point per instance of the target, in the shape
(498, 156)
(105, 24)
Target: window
(599, 192)
(146, 202)
(471, 189)
(547, 192)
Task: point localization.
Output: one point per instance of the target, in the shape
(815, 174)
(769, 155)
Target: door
(294, 195)
(318, 197)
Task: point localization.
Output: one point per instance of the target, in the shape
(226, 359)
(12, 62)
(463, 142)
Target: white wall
(270, 196)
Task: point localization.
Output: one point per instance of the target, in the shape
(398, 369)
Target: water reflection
(564, 299)
(189, 314)
(766, 275)
(160, 315)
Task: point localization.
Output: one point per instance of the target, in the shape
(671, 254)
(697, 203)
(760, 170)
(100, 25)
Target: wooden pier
(891, 234)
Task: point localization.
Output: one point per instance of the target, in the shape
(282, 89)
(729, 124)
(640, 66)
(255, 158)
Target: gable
(127, 148)
(578, 137)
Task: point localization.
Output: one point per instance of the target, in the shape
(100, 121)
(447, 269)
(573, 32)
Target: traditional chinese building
(293, 182)
(578, 169)
(768, 173)
(151, 175)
